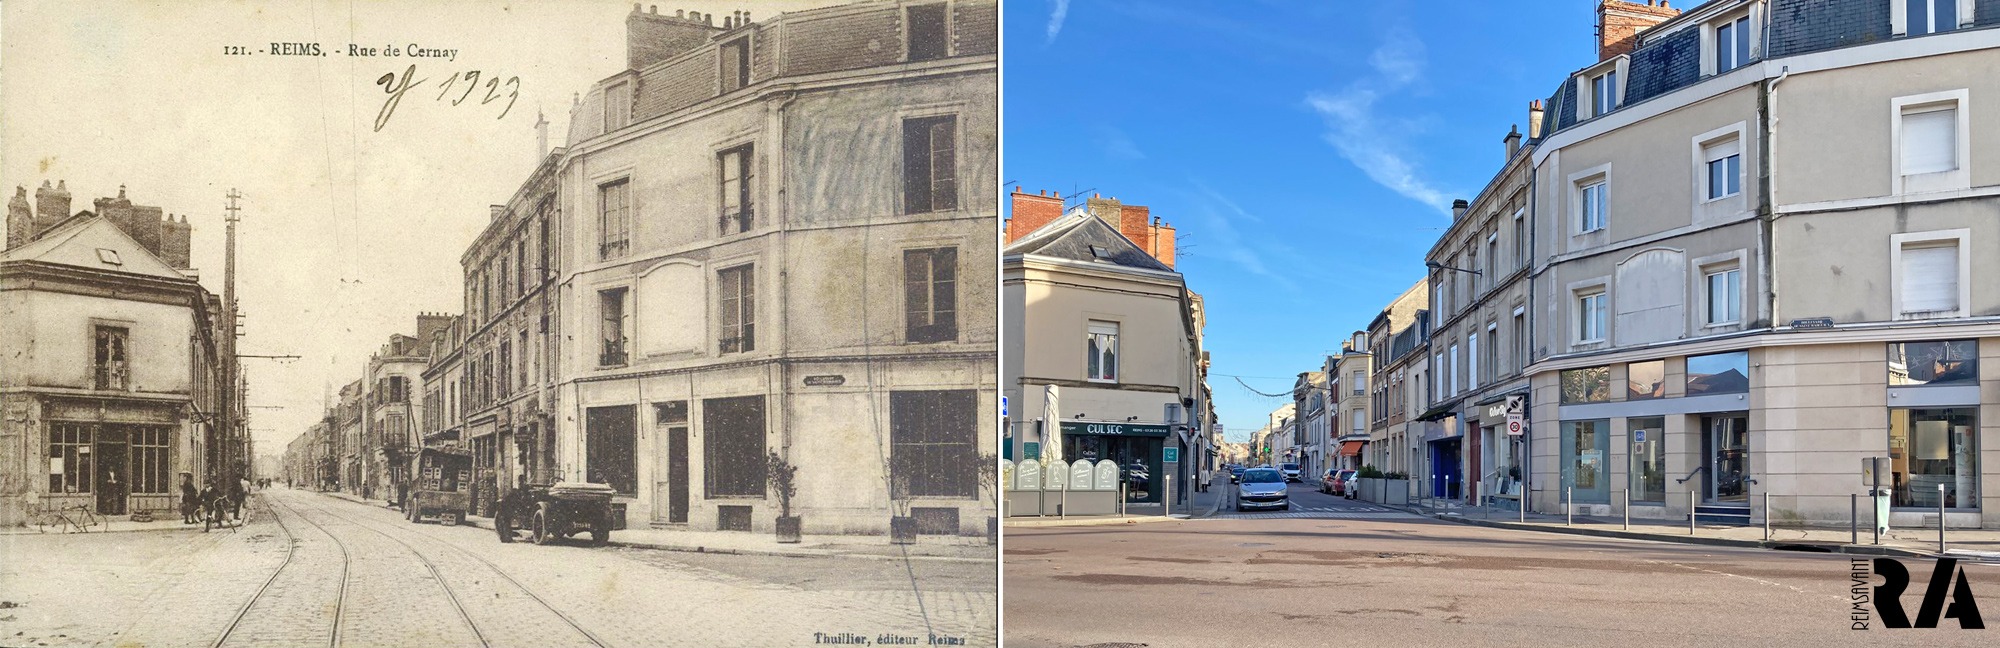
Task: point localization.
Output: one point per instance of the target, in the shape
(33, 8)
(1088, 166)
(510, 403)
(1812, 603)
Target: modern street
(1340, 572)
(315, 570)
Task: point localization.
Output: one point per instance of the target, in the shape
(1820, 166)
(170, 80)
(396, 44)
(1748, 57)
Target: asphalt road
(1355, 575)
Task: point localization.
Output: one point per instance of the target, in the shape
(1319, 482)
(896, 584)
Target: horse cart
(443, 486)
(556, 511)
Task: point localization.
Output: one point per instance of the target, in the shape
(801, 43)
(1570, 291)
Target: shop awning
(1351, 448)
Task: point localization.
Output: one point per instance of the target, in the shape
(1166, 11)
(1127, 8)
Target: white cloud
(1223, 241)
(1056, 19)
(1119, 146)
(1374, 141)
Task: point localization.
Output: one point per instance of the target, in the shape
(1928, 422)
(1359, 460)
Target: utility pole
(237, 448)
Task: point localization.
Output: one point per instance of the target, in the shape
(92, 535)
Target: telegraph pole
(237, 448)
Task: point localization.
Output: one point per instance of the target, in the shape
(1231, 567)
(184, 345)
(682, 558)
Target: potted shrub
(902, 525)
(782, 477)
(988, 469)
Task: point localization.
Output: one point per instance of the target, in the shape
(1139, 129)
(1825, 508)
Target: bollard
(1524, 505)
(1628, 508)
(1853, 519)
(1874, 518)
(1569, 505)
(1691, 506)
(1167, 498)
(1940, 518)
(1121, 498)
(1062, 510)
(1767, 515)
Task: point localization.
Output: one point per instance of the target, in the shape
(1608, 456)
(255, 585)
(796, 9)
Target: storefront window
(1721, 373)
(1645, 380)
(1584, 470)
(1934, 447)
(1945, 362)
(1649, 459)
(1589, 385)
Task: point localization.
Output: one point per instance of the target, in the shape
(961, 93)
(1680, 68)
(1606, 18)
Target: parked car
(1236, 474)
(1326, 481)
(1262, 488)
(1290, 470)
(1344, 483)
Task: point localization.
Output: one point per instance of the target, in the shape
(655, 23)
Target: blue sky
(1307, 152)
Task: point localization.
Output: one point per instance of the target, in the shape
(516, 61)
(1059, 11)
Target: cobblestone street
(313, 570)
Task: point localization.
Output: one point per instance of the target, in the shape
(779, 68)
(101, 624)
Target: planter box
(788, 529)
(902, 530)
(1385, 491)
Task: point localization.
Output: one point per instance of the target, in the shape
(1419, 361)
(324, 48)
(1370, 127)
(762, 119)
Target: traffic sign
(1173, 455)
(1003, 407)
(1514, 424)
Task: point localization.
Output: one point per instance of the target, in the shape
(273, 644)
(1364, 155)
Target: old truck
(441, 485)
(555, 511)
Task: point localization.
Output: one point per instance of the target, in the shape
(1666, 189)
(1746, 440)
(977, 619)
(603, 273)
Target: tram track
(291, 552)
(453, 596)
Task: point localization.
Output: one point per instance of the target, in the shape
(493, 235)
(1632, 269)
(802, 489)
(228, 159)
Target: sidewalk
(1969, 544)
(113, 524)
(1200, 504)
(940, 548)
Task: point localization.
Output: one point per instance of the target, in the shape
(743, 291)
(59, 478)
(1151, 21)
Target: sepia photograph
(578, 323)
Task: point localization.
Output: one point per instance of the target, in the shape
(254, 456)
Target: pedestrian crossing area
(1315, 512)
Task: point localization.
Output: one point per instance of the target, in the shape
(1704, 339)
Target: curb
(1061, 522)
(1869, 550)
(486, 523)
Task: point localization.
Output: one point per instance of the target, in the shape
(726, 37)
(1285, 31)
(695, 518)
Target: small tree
(782, 477)
(987, 466)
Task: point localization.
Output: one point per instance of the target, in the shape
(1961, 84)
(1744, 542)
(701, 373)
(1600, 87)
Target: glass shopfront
(1932, 448)
(1135, 448)
(1585, 446)
(1726, 449)
(1649, 460)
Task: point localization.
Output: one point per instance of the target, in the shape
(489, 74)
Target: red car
(1343, 483)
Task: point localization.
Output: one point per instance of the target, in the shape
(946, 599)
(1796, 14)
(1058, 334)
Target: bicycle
(78, 517)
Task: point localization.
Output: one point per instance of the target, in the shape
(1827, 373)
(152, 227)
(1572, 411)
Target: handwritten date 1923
(466, 83)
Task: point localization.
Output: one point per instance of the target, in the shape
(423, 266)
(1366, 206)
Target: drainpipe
(1768, 165)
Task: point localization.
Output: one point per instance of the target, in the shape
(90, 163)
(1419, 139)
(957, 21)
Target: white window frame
(1731, 273)
(1600, 289)
(1710, 46)
(1962, 238)
(1094, 328)
(1586, 86)
(1732, 134)
(1600, 174)
(1454, 369)
(1955, 179)
(1493, 349)
(1520, 238)
(1471, 361)
(1899, 16)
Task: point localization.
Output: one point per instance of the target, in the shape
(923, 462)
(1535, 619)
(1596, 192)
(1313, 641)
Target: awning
(1351, 448)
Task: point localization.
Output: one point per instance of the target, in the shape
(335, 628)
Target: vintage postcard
(580, 323)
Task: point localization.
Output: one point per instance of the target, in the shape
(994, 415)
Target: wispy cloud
(1056, 19)
(1374, 141)
(1223, 241)
(1119, 146)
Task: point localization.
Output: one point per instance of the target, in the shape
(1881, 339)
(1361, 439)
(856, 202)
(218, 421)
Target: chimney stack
(1619, 23)
(51, 205)
(1535, 119)
(20, 218)
(541, 137)
(1513, 140)
(1031, 212)
(1458, 208)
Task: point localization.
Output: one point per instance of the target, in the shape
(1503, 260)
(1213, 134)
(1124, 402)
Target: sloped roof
(1079, 236)
(96, 243)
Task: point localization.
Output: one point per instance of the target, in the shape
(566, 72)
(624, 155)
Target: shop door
(677, 474)
(112, 481)
(1445, 466)
(1726, 453)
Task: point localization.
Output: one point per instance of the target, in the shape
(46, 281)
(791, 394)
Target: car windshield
(1238, 470)
(1291, 466)
(1262, 476)
(1344, 474)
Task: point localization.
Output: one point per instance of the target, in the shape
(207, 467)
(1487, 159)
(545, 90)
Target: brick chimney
(1619, 23)
(20, 218)
(51, 205)
(651, 37)
(1163, 243)
(1032, 211)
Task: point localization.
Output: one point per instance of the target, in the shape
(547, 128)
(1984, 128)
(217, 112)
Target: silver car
(1262, 488)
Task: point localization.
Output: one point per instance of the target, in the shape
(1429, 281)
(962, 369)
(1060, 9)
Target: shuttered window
(1930, 279)
(1930, 140)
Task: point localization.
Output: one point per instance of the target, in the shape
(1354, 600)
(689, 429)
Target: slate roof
(1078, 236)
(90, 241)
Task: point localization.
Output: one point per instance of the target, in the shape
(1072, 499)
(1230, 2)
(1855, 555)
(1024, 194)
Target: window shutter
(1930, 279)
(1930, 141)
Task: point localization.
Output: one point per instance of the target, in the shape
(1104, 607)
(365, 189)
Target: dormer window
(1601, 88)
(735, 57)
(1920, 17)
(1604, 92)
(1729, 42)
(927, 33)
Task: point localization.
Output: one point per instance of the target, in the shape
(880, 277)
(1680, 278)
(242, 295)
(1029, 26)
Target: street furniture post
(1569, 505)
(1691, 506)
(1767, 516)
(1628, 508)
(1940, 518)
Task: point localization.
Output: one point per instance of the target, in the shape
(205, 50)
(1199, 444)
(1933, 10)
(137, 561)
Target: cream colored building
(1398, 337)
(1757, 267)
(1101, 358)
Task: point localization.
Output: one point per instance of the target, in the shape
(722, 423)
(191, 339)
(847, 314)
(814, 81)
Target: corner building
(778, 237)
(1762, 236)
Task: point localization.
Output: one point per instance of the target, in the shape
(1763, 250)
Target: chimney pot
(680, 13)
(653, 9)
